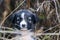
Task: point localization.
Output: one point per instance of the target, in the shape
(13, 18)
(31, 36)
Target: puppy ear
(11, 18)
(35, 18)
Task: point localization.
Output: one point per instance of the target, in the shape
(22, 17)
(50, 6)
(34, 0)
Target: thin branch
(12, 32)
(50, 13)
(6, 28)
(41, 5)
(38, 34)
(52, 28)
(57, 11)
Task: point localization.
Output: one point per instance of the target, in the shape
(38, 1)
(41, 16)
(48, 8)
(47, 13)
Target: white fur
(23, 21)
(22, 15)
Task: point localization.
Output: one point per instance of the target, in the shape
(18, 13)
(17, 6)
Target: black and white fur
(25, 21)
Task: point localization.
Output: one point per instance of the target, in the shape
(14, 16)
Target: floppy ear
(35, 18)
(11, 17)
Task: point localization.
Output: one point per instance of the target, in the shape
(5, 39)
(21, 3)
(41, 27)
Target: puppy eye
(20, 18)
(17, 18)
(29, 18)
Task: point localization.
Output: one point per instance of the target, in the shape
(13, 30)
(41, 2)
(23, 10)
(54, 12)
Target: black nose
(23, 25)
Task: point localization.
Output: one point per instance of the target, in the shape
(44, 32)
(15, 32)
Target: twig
(41, 5)
(38, 34)
(6, 28)
(57, 37)
(57, 11)
(52, 28)
(12, 32)
(50, 13)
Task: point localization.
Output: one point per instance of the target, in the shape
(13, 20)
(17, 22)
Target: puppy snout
(23, 25)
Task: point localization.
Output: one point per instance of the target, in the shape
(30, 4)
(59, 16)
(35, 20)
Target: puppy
(24, 20)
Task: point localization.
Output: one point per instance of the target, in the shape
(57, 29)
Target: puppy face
(24, 19)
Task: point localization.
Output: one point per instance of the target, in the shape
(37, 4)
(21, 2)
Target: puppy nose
(23, 25)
